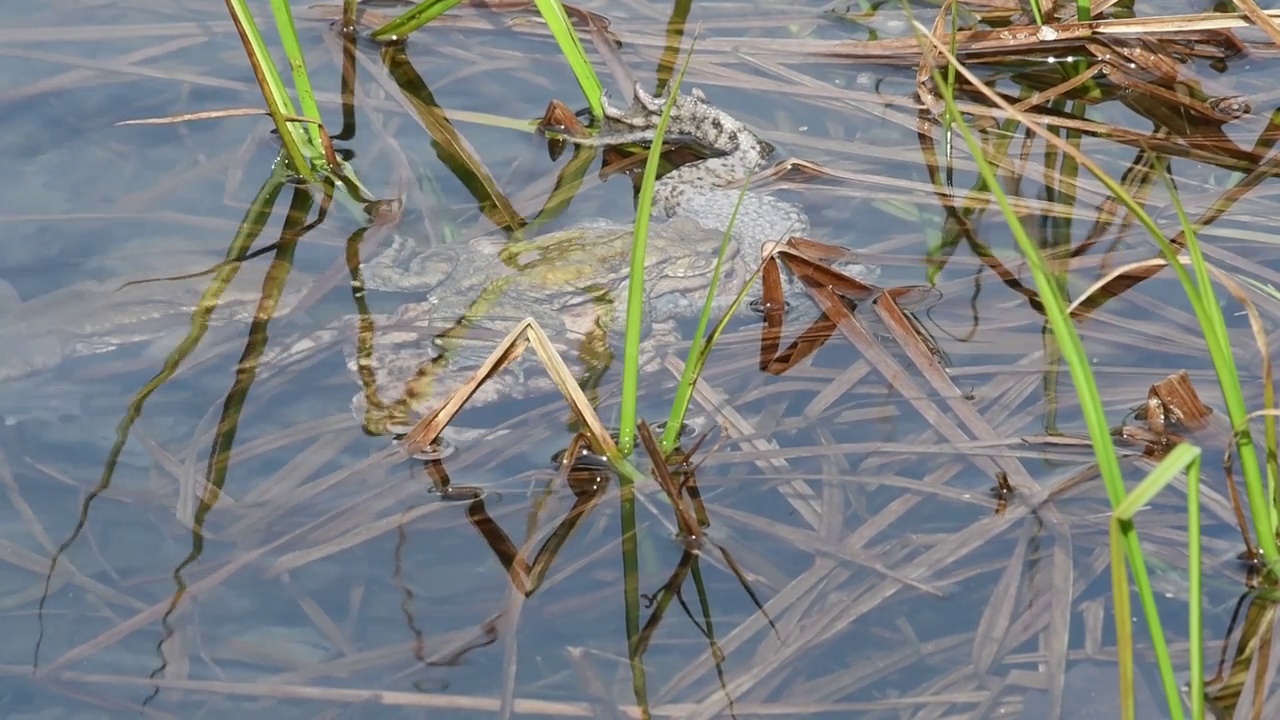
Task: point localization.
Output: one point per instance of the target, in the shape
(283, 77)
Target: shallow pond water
(192, 530)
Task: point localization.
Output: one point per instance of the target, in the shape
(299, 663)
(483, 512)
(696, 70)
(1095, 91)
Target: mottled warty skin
(707, 191)
(573, 282)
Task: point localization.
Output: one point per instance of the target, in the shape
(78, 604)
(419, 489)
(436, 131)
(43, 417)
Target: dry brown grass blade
(527, 575)
(1048, 95)
(824, 282)
(428, 430)
(772, 305)
(854, 330)
(1174, 400)
(929, 60)
(526, 333)
(804, 258)
(1005, 108)
(1173, 403)
(1113, 284)
(1260, 19)
(1007, 40)
(1242, 688)
(209, 115)
(777, 362)
(1025, 39)
(686, 520)
(1058, 630)
(1156, 89)
(1210, 146)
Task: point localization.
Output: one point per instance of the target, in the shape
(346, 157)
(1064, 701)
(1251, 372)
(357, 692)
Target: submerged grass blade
(631, 595)
(1123, 619)
(553, 13)
(273, 284)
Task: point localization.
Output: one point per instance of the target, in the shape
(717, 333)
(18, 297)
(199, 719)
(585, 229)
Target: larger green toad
(573, 283)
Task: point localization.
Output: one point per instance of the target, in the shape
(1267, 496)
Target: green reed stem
(635, 285)
(1182, 459)
(557, 20)
(696, 358)
(288, 32)
(279, 104)
(1123, 616)
(421, 14)
(1091, 404)
(1199, 287)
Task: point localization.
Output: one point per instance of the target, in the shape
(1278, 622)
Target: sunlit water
(325, 569)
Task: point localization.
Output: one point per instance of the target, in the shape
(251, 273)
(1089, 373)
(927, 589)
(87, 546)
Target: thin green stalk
(635, 286)
(1124, 620)
(701, 345)
(1213, 326)
(1183, 459)
(1195, 581)
(1081, 375)
(420, 15)
(709, 631)
(298, 67)
(279, 104)
(1036, 13)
